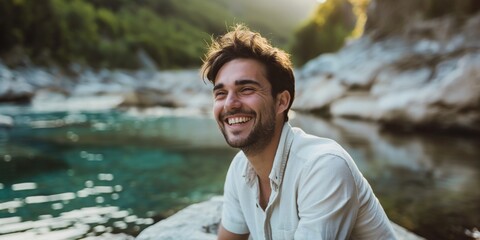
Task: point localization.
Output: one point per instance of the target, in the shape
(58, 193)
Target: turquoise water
(149, 166)
(132, 168)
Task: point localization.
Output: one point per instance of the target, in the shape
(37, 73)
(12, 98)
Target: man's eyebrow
(246, 82)
(237, 82)
(218, 86)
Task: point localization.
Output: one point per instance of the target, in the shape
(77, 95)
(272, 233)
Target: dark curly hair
(241, 42)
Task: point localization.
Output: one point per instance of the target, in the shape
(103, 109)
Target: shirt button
(257, 205)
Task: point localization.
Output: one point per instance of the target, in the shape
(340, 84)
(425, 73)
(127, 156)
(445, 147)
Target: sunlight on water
(78, 175)
(11, 205)
(24, 186)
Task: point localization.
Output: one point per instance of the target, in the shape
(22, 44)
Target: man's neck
(262, 161)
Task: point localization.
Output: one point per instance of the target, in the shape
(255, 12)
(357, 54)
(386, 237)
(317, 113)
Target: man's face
(243, 104)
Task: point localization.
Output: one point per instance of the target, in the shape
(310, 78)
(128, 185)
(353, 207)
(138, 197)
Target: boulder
(358, 107)
(14, 87)
(318, 93)
(6, 121)
(196, 222)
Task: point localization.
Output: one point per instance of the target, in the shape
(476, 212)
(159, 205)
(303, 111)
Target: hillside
(114, 34)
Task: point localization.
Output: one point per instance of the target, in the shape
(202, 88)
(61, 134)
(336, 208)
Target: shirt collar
(279, 162)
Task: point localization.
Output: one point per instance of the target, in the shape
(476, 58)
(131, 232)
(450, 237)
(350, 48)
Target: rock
(317, 94)
(415, 81)
(97, 88)
(147, 97)
(323, 64)
(451, 99)
(6, 121)
(55, 102)
(110, 236)
(200, 222)
(49, 89)
(38, 77)
(391, 80)
(359, 107)
(196, 222)
(14, 87)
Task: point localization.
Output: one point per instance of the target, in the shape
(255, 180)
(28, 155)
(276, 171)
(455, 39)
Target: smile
(238, 120)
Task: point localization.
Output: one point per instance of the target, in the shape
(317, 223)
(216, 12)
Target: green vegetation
(112, 33)
(328, 28)
(107, 33)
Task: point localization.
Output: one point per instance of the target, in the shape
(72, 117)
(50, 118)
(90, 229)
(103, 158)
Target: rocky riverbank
(78, 88)
(429, 76)
(415, 81)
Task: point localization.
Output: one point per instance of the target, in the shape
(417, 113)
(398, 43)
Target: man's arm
(327, 204)
(224, 234)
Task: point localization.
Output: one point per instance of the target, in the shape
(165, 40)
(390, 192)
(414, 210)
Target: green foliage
(332, 22)
(76, 29)
(110, 33)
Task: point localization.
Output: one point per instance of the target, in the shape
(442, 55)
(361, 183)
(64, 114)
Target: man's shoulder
(311, 146)
(239, 161)
(313, 152)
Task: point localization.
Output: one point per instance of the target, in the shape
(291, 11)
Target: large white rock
(317, 93)
(200, 222)
(431, 82)
(196, 222)
(6, 121)
(360, 107)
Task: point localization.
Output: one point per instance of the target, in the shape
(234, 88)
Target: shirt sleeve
(327, 202)
(233, 219)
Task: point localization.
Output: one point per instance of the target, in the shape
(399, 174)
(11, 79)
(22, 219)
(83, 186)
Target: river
(126, 169)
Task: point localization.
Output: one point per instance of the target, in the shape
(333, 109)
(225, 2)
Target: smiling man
(284, 183)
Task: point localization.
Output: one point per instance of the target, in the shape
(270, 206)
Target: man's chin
(236, 143)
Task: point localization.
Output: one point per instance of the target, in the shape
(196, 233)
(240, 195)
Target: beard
(258, 138)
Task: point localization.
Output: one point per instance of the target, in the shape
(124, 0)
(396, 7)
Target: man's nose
(232, 102)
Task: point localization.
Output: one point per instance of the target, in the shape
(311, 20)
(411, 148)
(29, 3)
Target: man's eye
(219, 94)
(247, 90)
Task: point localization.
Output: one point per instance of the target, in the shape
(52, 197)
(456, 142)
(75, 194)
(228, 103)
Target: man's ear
(283, 100)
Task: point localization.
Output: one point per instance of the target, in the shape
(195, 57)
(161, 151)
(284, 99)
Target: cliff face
(390, 17)
(411, 68)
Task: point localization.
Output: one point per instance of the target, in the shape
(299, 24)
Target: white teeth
(238, 120)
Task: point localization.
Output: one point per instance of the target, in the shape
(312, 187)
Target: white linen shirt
(317, 193)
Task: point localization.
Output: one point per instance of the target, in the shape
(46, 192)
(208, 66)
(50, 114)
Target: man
(284, 183)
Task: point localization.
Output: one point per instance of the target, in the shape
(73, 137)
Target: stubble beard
(258, 138)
